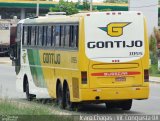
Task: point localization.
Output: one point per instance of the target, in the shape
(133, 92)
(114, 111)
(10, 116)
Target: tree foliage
(153, 50)
(86, 5)
(65, 6)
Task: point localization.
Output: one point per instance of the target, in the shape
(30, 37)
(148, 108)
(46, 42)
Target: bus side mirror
(13, 52)
(13, 58)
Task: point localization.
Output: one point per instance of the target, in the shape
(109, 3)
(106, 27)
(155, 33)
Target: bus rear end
(116, 47)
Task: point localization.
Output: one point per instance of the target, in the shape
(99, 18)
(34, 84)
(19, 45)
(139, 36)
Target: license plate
(120, 79)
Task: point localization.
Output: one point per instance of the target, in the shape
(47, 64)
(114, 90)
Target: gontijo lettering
(51, 58)
(114, 44)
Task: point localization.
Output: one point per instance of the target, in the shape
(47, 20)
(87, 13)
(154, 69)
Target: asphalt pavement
(8, 82)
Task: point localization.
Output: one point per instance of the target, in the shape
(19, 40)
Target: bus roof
(52, 19)
(70, 18)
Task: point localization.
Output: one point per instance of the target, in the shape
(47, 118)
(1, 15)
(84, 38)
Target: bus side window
(45, 36)
(25, 31)
(40, 35)
(67, 34)
(71, 36)
(57, 36)
(23, 36)
(74, 36)
(49, 36)
(29, 35)
(53, 35)
(42, 43)
(62, 36)
(33, 35)
(37, 36)
(18, 32)
(35, 32)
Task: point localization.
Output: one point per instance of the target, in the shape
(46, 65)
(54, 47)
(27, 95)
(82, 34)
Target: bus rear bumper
(104, 94)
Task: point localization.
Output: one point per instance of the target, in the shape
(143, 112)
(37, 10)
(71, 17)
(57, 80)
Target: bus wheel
(110, 105)
(59, 99)
(68, 104)
(29, 96)
(126, 105)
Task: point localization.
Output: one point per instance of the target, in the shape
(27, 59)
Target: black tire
(59, 100)
(126, 105)
(71, 106)
(29, 96)
(110, 105)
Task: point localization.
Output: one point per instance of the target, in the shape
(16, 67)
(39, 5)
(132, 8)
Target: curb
(154, 79)
(5, 62)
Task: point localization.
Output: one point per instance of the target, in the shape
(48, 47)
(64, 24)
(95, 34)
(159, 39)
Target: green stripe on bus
(35, 67)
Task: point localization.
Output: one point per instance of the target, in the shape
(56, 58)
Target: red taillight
(119, 13)
(88, 14)
(107, 13)
(84, 77)
(146, 75)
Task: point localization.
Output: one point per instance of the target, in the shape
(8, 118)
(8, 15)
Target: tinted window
(29, 35)
(67, 34)
(49, 35)
(54, 35)
(37, 36)
(40, 37)
(62, 36)
(71, 36)
(25, 33)
(76, 35)
(57, 36)
(19, 32)
(33, 35)
(45, 35)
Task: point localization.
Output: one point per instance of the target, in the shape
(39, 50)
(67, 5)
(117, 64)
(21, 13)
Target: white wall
(150, 10)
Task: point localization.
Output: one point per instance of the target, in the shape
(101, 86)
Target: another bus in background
(4, 37)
